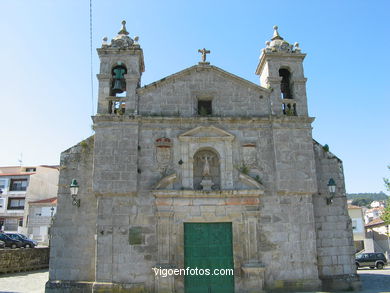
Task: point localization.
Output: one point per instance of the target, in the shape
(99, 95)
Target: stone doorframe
(206, 137)
(176, 207)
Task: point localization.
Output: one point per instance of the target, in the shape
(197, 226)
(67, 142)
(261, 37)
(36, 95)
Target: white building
(356, 215)
(18, 186)
(41, 214)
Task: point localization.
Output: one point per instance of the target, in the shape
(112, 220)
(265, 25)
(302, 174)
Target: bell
(117, 88)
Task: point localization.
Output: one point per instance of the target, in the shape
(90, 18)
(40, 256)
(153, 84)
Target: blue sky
(45, 92)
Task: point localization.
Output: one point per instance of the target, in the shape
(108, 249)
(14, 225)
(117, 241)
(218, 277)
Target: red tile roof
(52, 200)
(17, 174)
(375, 222)
(350, 206)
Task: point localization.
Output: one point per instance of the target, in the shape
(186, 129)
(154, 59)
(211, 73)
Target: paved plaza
(374, 281)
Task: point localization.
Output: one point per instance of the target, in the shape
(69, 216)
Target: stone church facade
(201, 169)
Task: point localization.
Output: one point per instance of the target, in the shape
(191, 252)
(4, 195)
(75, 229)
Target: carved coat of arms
(249, 154)
(163, 152)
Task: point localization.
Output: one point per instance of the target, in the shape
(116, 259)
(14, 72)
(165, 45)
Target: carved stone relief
(206, 170)
(163, 153)
(249, 154)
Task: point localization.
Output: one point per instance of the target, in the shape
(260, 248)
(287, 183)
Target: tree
(387, 181)
(386, 213)
(362, 202)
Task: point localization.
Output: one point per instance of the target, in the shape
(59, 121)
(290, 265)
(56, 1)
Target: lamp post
(332, 191)
(74, 189)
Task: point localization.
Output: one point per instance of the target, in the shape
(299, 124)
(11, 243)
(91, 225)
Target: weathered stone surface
(17, 260)
(140, 180)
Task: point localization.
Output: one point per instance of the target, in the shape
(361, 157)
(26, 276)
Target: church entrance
(208, 247)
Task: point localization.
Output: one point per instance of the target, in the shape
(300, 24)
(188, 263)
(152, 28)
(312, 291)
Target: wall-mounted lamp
(332, 191)
(74, 189)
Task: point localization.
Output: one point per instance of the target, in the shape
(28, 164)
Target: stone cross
(204, 52)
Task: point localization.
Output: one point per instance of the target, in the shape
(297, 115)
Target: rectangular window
(2, 184)
(31, 169)
(2, 201)
(18, 185)
(205, 107)
(15, 204)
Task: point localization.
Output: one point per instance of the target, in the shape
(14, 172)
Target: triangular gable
(207, 132)
(196, 68)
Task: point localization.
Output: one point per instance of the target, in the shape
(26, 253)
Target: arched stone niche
(206, 170)
(206, 138)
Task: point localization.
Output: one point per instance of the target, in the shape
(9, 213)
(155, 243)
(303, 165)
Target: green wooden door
(208, 246)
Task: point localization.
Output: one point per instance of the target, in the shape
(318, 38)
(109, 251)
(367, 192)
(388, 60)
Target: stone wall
(72, 255)
(240, 98)
(16, 260)
(336, 259)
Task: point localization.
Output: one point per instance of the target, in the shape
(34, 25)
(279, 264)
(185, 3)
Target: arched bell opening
(206, 170)
(118, 81)
(285, 85)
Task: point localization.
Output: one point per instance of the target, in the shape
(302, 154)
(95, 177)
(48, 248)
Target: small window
(31, 169)
(15, 204)
(285, 86)
(18, 185)
(205, 107)
(2, 184)
(2, 200)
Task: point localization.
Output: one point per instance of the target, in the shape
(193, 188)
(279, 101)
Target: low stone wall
(23, 259)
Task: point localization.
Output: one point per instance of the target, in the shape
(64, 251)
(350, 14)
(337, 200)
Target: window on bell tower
(118, 83)
(285, 85)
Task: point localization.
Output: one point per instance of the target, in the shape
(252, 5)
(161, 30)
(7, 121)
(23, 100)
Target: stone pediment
(229, 77)
(207, 133)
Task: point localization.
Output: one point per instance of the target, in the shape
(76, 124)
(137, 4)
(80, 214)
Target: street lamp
(74, 189)
(332, 191)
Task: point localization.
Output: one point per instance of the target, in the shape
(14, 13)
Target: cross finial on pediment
(204, 52)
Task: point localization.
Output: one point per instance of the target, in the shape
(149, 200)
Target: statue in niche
(206, 170)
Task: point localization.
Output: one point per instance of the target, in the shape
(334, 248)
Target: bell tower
(115, 149)
(121, 67)
(281, 69)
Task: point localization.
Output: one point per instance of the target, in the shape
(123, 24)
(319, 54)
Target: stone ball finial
(296, 44)
(123, 30)
(136, 38)
(104, 42)
(275, 27)
(267, 43)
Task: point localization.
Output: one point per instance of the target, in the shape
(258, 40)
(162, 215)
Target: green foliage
(257, 178)
(386, 213)
(203, 111)
(244, 169)
(369, 196)
(290, 112)
(84, 144)
(362, 202)
(387, 181)
(325, 148)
